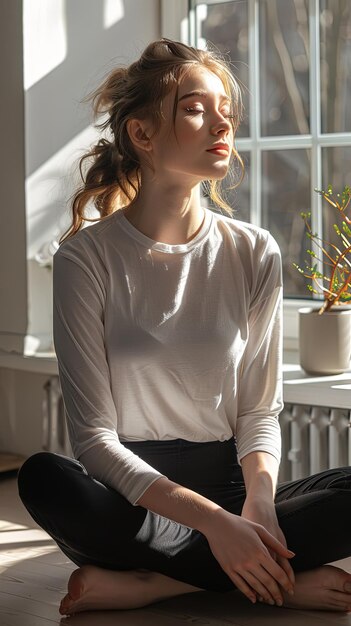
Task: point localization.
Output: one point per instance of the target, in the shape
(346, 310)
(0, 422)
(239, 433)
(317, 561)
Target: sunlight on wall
(113, 12)
(48, 190)
(201, 16)
(44, 35)
(61, 57)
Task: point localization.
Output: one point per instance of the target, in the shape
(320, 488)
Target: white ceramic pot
(325, 340)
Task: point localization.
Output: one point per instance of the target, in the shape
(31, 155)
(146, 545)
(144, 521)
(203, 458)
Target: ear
(139, 132)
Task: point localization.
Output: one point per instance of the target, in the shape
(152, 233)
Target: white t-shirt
(157, 341)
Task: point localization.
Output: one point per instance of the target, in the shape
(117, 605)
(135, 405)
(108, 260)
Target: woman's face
(198, 145)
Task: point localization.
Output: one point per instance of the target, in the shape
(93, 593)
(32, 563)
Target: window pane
(336, 167)
(225, 24)
(335, 36)
(284, 67)
(238, 198)
(336, 172)
(243, 192)
(285, 193)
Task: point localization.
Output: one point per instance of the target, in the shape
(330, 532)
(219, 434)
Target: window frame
(178, 22)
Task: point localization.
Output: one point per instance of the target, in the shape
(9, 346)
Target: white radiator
(313, 439)
(55, 435)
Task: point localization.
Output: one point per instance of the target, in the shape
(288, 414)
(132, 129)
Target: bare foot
(322, 589)
(93, 588)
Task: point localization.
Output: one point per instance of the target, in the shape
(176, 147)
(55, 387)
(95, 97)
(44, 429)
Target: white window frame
(177, 22)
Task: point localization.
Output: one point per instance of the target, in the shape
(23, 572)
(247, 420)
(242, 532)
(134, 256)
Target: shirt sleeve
(78, 326)
(260, 387)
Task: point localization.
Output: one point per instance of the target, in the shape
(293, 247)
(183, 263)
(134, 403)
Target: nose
(221, 125)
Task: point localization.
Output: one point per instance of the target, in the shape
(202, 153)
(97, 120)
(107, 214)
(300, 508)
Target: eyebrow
(202, 94)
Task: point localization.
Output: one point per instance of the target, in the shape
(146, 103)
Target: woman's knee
(341, 479)
(30, 475)
(36, 475)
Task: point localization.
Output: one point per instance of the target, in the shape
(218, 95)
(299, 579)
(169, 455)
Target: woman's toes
(66, 604)
(63, 606)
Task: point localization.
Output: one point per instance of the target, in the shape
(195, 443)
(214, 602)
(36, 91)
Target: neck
(167, 212)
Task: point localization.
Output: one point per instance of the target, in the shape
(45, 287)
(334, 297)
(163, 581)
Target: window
(294, 60)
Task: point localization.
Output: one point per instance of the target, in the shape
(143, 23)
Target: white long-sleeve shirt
(157, 341)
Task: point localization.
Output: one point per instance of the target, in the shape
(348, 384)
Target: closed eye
(228, 116)
(192, 110)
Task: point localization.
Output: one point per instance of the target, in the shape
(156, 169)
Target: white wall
(69, 47)
(13, 270)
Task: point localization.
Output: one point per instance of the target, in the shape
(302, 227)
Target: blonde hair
(113, 178)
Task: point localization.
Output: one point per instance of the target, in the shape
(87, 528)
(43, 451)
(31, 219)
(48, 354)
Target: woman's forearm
(241, 547)
(179, 504)
(260, 470)
(166, 498)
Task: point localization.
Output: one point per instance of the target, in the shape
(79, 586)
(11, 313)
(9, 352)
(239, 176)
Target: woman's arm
(260, 394)
(260, 472)
(241, 547)
(260, 400)
(79, 290)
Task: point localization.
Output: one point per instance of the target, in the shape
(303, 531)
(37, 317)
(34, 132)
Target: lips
(220, 149)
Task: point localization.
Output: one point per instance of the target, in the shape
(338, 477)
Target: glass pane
(238, 198)
(284, 67)
(225, 24)
(285, 194)
(336, 172)
(336, 164)
(243, 192)
(335, 36)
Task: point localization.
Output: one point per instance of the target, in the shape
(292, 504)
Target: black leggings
(93, 523)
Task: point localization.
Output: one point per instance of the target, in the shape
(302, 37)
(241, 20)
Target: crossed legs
(129, 557)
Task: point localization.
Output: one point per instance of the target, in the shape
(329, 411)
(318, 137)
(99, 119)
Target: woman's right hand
(242, 547)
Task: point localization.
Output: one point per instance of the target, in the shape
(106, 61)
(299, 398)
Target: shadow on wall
(53, 110)
(58, 126)
(54, 113)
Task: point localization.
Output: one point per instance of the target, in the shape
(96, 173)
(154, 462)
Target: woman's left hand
(262, 511)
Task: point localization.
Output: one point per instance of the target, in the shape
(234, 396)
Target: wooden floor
(34, 573)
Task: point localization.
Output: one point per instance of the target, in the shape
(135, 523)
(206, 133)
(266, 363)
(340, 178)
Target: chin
(219, 175)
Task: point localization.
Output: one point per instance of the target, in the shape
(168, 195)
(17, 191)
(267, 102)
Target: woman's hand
(262, 511)
(242, 548)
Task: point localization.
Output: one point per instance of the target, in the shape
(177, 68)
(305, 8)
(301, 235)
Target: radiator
(54, 429)
(313, 439)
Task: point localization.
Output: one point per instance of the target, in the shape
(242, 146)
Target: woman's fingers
(284, 563)
(274, 544)
(242, 548)
(258, 581)
(277, 573)
(273, 567)
(263, 576)
(240, 583)
(265, 586)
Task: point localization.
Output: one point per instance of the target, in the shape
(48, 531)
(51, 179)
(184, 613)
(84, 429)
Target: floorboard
(34, 574)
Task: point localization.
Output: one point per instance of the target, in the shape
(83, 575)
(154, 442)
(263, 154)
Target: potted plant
(325, 333)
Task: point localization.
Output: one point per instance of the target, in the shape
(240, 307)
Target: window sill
(40, 363)
(324, 391)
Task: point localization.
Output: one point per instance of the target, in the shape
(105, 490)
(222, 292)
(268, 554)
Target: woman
(167, 333)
